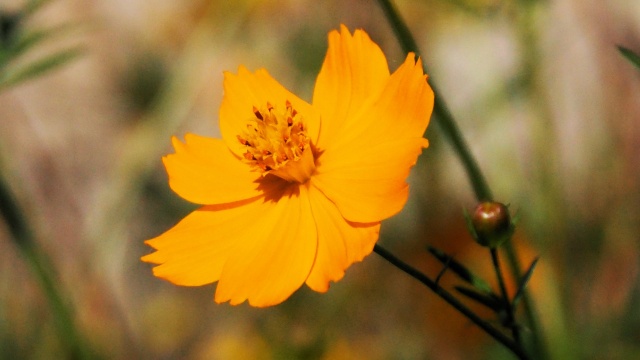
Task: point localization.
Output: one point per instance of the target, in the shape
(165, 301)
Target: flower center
(276, 143)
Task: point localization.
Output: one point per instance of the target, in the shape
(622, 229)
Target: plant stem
(511, 318)
(478, 182)
(538, 344)
(43, 270)
(446, 296)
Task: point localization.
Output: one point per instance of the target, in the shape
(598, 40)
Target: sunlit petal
(354, 70)
(364, 170)
(204, 171)
(190, 254)
(340, 243)
(275, 254)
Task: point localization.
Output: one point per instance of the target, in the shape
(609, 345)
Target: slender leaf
(30, 39)
(491, 301)
(40, 67)
(523, 283)
(22, 45)
(630, 55)
(465, 274)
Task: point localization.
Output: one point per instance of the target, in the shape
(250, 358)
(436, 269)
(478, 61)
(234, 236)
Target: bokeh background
(547, 103)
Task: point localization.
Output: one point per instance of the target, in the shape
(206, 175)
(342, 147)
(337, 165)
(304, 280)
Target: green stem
(43, 270)
(538, 344)
(525, 27)
(446, 296)
(443, 115)
(453, 134)
(511, 318)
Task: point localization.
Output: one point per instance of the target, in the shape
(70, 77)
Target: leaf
(630, 55)
(29, 39)
(491, 301)
(470, 227)
(523, 283)
(21, 45)
(40, 67)
(465, 274)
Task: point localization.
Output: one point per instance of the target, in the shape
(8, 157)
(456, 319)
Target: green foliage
(524, 281)
(630, 55)
(460, 270)
(39, 67)
(488, 299)
(16, 41)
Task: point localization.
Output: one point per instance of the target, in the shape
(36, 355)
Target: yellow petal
(246, 90)
(354, 70)
(363, 171)
(340, 243)
(193, 252)
(204, 171)
(274, 255)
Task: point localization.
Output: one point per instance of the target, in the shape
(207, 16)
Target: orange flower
(294, 192)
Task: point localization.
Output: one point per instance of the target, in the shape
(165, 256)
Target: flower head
(294, 192)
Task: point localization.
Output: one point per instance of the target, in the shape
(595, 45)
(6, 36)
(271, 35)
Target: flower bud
(491, 223)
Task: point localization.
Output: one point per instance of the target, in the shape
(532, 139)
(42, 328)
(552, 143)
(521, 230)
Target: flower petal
(190, 254)
(274, 255)
(204, 171)
(365, 168)
(354, 69)
(340, 243)
(244, 91)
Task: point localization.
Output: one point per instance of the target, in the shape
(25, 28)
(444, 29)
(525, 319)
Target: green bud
(492, 224)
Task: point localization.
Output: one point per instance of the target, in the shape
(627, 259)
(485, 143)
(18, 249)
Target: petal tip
(147, 258)
(320, 286)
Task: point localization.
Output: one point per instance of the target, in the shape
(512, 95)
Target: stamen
(257, 113)
(242, 141)
(276, 143)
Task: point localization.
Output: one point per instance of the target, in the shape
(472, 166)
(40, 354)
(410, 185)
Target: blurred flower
(294, 193)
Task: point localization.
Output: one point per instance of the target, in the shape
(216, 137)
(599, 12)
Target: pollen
(276, 142)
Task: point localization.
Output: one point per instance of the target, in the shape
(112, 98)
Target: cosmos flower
(294, 193)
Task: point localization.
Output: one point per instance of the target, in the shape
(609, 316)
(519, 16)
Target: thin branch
(453, 301)
(511, 318)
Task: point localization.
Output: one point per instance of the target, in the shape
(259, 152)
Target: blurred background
(547, 103)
